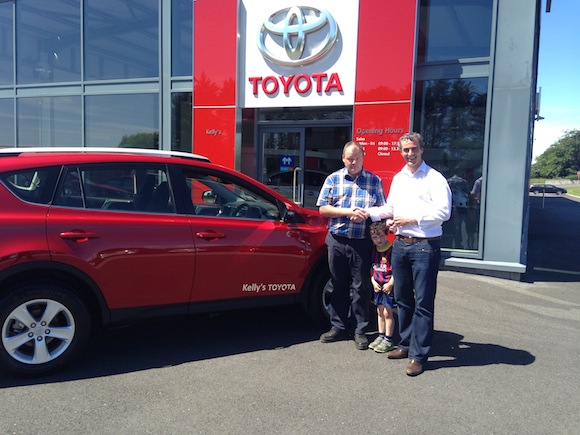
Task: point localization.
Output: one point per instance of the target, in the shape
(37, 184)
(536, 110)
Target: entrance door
(283, 161)
(296, 160)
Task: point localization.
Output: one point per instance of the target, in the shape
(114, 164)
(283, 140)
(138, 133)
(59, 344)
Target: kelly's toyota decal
(299, 53)
(261, 287)
(299, 35)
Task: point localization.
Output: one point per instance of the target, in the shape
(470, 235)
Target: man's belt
(408, 239)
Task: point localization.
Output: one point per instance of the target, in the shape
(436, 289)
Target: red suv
(91, 237)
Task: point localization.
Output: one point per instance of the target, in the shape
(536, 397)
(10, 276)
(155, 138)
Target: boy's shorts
(381, 298)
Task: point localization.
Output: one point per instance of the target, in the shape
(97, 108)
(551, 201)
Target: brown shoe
(397, 354)
(414, 368)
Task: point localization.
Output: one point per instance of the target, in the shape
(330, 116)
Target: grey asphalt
(554, 238)
(504, 362)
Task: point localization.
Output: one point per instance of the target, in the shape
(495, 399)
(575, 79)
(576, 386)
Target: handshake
(359, 215)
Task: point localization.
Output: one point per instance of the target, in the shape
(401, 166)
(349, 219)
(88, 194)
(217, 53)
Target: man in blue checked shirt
(343, 196)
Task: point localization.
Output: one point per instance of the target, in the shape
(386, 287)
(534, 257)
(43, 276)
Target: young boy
(383, 284)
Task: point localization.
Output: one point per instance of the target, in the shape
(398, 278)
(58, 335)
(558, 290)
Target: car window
(142, 188)
(32, 185)
(224, 197)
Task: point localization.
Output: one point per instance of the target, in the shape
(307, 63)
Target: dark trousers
(415, 268)
(350, 266)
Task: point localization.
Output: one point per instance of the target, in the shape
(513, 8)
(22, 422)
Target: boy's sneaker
(384, 346)
(375, 343)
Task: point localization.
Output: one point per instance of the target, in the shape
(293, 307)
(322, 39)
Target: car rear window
(33, 185)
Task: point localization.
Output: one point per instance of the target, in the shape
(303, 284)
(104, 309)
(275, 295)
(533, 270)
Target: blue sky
(558, 73)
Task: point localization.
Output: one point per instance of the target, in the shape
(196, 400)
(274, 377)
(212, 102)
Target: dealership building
(274, 89)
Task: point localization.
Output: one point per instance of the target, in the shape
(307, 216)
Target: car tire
(44, 326)
(317, 301)
(559, 192)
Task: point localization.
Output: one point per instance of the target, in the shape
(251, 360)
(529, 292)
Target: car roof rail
(141, 151)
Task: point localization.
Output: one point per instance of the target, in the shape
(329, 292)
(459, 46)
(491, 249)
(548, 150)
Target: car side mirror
(291, 216)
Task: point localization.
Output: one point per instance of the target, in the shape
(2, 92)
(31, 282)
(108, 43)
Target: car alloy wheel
(41, 329)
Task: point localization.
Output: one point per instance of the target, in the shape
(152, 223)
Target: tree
(140, 140)
(561, 159)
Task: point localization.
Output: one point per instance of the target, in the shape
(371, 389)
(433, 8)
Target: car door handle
(210, 235)
(294, 233)
(78, 236)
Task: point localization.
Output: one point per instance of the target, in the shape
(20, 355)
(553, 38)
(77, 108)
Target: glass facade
(49, 121)
(124, 121)
(96, 73)
(48, 41)
(6, 122)
(181, 125)
(451, 30)
(450, 107)
(181, 41)
(6, 44)
(451, 116)
(121, 39)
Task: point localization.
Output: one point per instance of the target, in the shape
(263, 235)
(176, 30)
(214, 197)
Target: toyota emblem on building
(297, 35)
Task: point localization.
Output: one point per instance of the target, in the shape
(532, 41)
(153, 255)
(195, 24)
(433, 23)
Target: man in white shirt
(418, 203)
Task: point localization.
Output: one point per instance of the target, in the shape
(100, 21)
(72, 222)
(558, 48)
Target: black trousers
(350, 266)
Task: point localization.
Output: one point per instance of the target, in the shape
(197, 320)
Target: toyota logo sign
(297, 36)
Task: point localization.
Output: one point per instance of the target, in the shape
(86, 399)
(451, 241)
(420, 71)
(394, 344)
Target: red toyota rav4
(91, 237)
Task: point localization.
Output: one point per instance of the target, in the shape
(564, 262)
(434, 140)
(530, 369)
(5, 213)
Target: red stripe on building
(214, 73)
(384, 82)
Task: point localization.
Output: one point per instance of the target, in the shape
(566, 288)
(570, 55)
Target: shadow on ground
(449, 350)
(178, 340)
